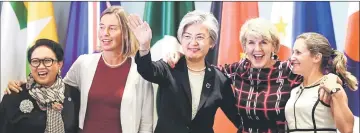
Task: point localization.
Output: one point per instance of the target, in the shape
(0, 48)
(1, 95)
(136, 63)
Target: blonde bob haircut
(259, 27)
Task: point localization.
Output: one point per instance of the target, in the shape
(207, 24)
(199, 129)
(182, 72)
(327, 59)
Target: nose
(105, 32)
(193, 42)
(41, 65)
(292, 57)
(257, 47)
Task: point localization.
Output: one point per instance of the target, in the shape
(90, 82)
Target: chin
(257, 64)
(296, 71)
(42, 82)
(107, 48)
(193, 58)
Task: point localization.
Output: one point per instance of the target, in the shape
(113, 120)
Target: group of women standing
(111, 91)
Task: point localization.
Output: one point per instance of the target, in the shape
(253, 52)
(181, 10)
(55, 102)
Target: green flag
(164, 17)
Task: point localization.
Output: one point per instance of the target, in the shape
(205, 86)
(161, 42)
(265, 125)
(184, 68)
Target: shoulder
(86, 60)
(71, 91)
(85, 57)
(14, 99)
(220, 75)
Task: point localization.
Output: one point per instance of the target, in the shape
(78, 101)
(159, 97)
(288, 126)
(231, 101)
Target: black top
(174, 96)
(12, 120)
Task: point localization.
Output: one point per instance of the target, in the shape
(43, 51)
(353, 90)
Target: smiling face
(45, 71)
(302, 60)
(258, 51)
(196, 42)
(259, 39)
(110, 34)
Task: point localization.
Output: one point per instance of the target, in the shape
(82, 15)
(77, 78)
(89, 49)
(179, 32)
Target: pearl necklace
(112, 66)
(196, 70)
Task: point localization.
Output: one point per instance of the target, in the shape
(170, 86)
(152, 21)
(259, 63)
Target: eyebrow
(47, 57)
(110, 25)
(196, 34)
(296, 50)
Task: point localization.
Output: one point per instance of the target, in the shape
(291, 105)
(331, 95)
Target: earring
(59, 74)
(274, 56)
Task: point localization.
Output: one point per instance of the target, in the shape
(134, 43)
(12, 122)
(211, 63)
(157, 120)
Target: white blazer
(136, 114)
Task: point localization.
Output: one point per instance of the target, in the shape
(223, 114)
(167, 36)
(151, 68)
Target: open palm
(141, 31)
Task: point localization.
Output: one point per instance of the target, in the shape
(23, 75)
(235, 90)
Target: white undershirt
(196, 83)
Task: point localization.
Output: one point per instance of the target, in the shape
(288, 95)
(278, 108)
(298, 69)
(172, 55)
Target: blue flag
(103, 4)
(77, 34)
(314, 17)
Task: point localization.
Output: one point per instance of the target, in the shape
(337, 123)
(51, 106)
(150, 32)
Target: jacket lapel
(208, 84)
(182, 75)
(128, 102)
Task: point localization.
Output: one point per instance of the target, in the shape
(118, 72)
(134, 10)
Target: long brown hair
(332, 60)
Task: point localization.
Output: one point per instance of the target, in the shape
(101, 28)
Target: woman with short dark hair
(46, 104)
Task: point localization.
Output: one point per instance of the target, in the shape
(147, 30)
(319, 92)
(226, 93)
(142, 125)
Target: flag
(23, 23)
(216, 10)
(234, 15)
(352, 54)
(106, 4)
(164, 19)
(77, 39)
(41, 23)
(13, 49)
(282, 18)
(313, 17)
(83, 23)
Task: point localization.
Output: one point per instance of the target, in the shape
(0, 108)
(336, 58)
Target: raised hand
(141, 31)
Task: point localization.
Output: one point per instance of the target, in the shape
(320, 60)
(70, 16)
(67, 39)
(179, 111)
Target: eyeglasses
(35, 62)
(198, 38)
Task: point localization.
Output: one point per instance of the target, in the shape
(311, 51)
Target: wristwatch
(334, 90)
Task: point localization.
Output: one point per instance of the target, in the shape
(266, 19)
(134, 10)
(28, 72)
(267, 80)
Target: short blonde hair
(200, 17)
(129, 45)
(260, 27)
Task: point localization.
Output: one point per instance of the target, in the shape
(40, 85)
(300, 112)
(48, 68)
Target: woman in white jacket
(114, 97)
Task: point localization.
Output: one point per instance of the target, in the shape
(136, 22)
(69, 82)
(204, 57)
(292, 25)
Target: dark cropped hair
(54, 46)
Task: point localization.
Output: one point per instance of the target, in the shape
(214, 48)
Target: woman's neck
(113, 58)
(196, 66)
(312, 78)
